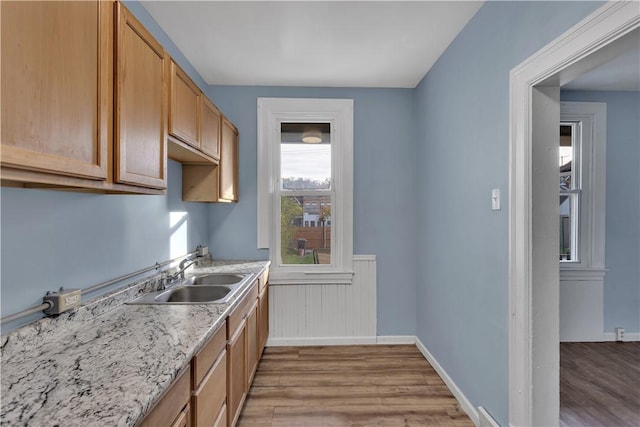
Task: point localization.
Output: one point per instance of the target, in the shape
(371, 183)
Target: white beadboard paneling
(581, 309)
(329, 313)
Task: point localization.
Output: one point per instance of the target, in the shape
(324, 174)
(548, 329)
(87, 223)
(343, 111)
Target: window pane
(566, 158)
(305, 232)
(568, 227)
(305, 156)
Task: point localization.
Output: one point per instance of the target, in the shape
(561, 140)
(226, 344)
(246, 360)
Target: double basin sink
(207, 288)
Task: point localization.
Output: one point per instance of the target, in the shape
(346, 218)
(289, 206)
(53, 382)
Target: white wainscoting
(582, 306)
(327, 314)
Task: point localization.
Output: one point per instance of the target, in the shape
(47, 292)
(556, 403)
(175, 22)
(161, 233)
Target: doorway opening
(534, 228)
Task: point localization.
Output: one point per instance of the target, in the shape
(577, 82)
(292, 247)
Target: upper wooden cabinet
(205, 183)
(141, 104)
(194, 122)
(228, 167)
(210, 134)
(90, 98)
(59, 125)
(184, 110)
(57, 61)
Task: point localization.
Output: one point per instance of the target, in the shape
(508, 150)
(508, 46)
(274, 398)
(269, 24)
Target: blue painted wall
(384, 189)
(462, 118)
(622, 248)
(76, 240)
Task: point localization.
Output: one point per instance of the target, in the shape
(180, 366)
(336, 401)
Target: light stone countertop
(106, 363)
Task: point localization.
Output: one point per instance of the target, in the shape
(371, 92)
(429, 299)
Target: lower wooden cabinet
(252, 343)
(213, 389)
(211, 395)
(236, 374)
(209, 378)
(263, 319)
(184, 419)
(221, 421)
(242, 352)
(173, 408)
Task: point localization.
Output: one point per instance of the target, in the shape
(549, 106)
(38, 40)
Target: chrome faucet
(184, 264)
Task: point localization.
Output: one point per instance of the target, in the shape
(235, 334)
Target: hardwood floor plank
(314, 396)
(365, 415)
(350, 386)
(322, 379)
(599, 384)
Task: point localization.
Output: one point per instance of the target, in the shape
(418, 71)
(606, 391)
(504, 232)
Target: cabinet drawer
(171, 404)
(205, 358)
(235, 319)
(212, 393)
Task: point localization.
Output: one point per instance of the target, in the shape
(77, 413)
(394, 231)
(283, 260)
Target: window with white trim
(582, 185)
(305, 188)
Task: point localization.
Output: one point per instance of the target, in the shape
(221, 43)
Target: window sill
(310, 277)
(582, 273)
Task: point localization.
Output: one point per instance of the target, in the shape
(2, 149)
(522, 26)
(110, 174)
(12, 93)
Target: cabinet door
(210, 134)
(184, 116)
(56, 72)
(236, 375)
(252, 343)
(228, 168)
(263, 320)
(209, 398)
(141, 105)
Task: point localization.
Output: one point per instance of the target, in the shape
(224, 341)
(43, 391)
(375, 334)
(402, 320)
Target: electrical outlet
(619, 334)
(63, 300)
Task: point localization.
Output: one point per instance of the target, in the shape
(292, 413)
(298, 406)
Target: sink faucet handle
(164, 279)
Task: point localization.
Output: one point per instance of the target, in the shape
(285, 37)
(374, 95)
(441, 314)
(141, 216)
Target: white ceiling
(313, 43)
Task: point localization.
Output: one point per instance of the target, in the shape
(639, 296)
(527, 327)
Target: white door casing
(533, 361)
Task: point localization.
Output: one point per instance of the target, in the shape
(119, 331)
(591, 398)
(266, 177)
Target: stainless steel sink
(215, 279)
(210, 288)
(194, 294)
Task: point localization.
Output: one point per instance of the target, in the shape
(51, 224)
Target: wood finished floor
(355, 386)
(600, 384)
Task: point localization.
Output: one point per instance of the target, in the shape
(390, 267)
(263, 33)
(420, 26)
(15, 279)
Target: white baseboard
(465, 404)
(294, 341)
(396, 339)
(309, 341)
(628, 336)
(485, 419)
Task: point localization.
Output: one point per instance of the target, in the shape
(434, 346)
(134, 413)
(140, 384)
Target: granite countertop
(106, 363)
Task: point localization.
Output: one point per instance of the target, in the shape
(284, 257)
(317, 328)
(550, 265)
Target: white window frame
(339, 113)
(592, 123)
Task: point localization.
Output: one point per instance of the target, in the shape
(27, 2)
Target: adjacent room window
(582, 185)
(305, 188)
(570, 189)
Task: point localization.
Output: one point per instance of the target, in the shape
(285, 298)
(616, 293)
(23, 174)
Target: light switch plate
(495, 199)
